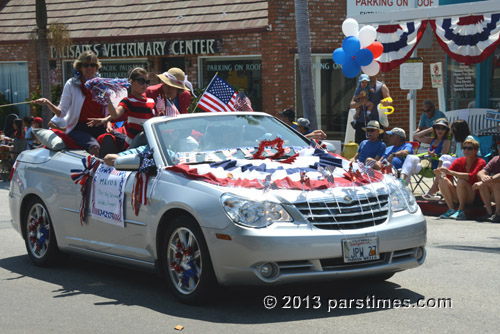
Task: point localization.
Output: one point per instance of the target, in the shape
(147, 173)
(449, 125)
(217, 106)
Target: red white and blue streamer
(102, 88)
(399, 41)
(468, 39)
(80, 176)
(303, 173)
(140, 188)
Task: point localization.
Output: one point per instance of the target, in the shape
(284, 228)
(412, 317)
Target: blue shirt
(368, 149)
(30, 138)
(397, 162)
(426, 122)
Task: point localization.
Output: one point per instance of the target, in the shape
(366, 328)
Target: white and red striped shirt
(137, 112)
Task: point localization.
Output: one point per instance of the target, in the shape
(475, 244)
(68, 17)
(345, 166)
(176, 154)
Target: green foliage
(6, 110)
(194, 100)
(36, 110)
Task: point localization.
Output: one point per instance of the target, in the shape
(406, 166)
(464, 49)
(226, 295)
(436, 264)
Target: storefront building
(252, 45)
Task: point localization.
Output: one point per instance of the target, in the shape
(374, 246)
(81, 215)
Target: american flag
(219, 96)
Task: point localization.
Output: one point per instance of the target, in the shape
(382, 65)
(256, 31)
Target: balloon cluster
(359, 50)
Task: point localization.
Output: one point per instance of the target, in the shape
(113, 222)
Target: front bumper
(304, 253)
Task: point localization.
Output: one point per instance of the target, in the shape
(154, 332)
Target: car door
(130, 239)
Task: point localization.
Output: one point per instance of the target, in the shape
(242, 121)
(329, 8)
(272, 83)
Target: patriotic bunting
(399, 41)
(470, 39)
(80, 176)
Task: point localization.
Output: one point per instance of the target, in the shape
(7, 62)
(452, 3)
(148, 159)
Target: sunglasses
(85, 65)
(371, 130)
(441, 128)
(142, 81)
(468, 148)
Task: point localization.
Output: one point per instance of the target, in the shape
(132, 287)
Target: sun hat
(175, 77)
(441, 121)
(364, 77)
(397, 131)
(374, 125)
(304, 122)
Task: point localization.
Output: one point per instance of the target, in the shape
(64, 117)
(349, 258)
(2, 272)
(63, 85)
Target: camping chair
(485, 147)
(420, 180)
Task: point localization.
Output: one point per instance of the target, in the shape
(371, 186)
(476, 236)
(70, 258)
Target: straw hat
(174, 77)
(374, 125)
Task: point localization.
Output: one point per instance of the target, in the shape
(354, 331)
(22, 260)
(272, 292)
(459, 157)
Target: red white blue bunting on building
(469, 39)
(399, 41)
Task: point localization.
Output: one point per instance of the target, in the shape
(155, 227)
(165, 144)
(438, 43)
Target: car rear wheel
(39, 234)
(186, 262)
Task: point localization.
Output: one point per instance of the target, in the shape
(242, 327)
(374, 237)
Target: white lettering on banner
(138, 49)
(108, 190)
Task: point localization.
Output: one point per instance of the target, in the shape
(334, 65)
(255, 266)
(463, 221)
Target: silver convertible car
(218, 198)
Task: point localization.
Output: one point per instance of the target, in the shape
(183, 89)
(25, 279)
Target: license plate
(361, 249)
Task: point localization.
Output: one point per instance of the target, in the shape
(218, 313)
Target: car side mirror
(128, 162)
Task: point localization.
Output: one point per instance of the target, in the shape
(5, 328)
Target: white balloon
(372, 69)
(367, 36)
(350, 27)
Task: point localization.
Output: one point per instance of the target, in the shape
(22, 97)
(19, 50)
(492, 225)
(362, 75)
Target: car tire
(39, 235)
(186, 262)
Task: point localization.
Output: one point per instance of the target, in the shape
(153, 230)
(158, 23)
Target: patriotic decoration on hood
(399, 41)
(102, 88)
(218, 97)
(80, 176)
(469, 39)
(306, 172)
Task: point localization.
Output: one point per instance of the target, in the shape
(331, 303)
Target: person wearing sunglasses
(77, 106)
(464, 170)
(429, 116)
(172, 94)
(134, 110)
(372, 149)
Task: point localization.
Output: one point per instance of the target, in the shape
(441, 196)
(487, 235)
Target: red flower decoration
(276, 143)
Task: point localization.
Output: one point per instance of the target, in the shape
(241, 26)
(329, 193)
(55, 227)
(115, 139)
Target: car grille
(365, 212)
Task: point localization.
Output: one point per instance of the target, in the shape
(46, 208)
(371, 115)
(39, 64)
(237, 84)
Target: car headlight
(401, 197)
(256, 214)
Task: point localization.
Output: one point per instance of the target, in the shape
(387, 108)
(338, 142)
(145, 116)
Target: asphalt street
(455, 291)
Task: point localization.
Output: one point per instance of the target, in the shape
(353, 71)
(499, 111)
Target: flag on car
(218, 97)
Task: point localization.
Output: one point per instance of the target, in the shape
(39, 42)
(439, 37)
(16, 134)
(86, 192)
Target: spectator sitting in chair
(489, 185)
(303, 125)
(371, 148)
(465, 170)
(429, 116)
(439, 144)
(399, 149)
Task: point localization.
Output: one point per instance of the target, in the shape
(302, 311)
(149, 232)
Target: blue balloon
(339, 56)
(351, 45)
(364, 57)
(350, 68)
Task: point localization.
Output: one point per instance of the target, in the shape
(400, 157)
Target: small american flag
(171, 109)
(219, 96)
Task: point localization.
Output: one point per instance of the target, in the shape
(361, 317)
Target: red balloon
(376, 48)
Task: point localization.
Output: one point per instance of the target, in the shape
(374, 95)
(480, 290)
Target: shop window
(333, 94)
(14, 84)
(113, 68)
(243, 74)
(495, 80)
(462, 85)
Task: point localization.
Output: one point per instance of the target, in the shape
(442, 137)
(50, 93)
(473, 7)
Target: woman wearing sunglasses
(439, 144)
(77, 106)
(465, 171)
(134, 110)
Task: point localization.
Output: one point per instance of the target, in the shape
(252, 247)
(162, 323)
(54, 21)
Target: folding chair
(427, 172)
(485, 147)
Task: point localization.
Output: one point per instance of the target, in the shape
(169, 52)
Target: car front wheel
(186, 262)
(39, 234)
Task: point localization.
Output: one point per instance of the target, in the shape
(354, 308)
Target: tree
(305, 60)
(41, 23)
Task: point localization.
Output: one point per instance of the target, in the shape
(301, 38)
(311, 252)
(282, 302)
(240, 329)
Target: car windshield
(218, 138)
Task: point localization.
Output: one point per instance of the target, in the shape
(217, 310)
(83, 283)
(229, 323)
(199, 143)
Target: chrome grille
(365, 212)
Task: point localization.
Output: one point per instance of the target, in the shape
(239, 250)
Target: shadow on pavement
(5, 185)
(123, 286)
